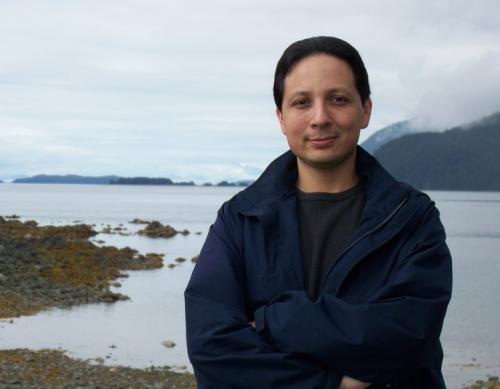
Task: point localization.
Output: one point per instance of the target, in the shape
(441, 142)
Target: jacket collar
(278, 181)
(272, 199)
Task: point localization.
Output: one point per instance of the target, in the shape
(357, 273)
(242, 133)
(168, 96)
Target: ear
(367, 112)
(279, 115)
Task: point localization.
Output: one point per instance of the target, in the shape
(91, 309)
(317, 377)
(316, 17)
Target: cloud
(465, 93)
(152, 87)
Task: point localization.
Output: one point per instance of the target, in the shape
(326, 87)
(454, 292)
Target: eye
(338, 99)
(300, 103)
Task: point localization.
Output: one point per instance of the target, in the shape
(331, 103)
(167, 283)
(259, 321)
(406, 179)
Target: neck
(327, 180)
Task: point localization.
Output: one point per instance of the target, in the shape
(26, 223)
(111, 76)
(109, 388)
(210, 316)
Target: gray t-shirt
(327, 221)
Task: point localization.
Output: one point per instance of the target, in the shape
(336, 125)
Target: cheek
(295, 123)
(293, 132)
(350, 121)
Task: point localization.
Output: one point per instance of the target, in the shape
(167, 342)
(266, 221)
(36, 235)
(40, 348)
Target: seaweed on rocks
(47, 266)
(155, 229)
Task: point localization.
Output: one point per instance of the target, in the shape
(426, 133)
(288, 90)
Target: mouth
(323, 141)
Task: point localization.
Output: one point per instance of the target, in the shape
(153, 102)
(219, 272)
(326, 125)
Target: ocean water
(131, 332)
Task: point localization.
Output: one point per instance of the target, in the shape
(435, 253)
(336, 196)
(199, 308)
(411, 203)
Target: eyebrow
(329, 91)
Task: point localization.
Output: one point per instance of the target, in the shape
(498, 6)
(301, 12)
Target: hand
(252, 323)
(351, 383)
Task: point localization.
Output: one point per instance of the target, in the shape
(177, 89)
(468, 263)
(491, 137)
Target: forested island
(148, 181)
(116, 180)
(65, 179)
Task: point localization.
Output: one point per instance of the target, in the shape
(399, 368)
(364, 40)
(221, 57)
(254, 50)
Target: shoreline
(53, 368)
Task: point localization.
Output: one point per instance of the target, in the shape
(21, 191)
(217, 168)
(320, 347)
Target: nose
(320, 116)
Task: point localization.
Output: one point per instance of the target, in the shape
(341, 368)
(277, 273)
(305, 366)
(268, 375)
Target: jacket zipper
(378, 226)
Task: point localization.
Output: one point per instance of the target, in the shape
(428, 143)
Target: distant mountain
(463, 158)
(389, 133)
(67, 179)
(148, 181)
(1, 182)
(116, 180)
(230, 183)
(141, 181)
(236, 183)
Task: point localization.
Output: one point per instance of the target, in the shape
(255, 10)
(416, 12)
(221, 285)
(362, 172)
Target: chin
(326, 161)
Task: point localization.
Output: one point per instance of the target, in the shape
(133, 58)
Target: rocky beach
(43, 267)
(23, 368)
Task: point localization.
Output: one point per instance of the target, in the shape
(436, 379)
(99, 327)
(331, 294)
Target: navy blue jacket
(380, 310)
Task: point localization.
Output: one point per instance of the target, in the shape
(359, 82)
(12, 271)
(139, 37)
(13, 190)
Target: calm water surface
(156, 310)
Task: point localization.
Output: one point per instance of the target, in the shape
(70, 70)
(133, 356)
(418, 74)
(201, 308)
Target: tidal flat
(45, 267)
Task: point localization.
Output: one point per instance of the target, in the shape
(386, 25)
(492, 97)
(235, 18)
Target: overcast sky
(183, 89)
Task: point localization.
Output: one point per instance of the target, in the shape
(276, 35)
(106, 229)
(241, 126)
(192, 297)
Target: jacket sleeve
(225, 351)
(379, 341)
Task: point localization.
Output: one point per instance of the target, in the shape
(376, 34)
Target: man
(326, 272)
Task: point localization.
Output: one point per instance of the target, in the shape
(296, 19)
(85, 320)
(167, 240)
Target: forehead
(319, 71)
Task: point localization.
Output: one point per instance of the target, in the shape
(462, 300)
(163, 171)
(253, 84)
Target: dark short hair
(320, 45)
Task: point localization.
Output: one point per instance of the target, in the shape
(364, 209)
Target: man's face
(322, 113)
